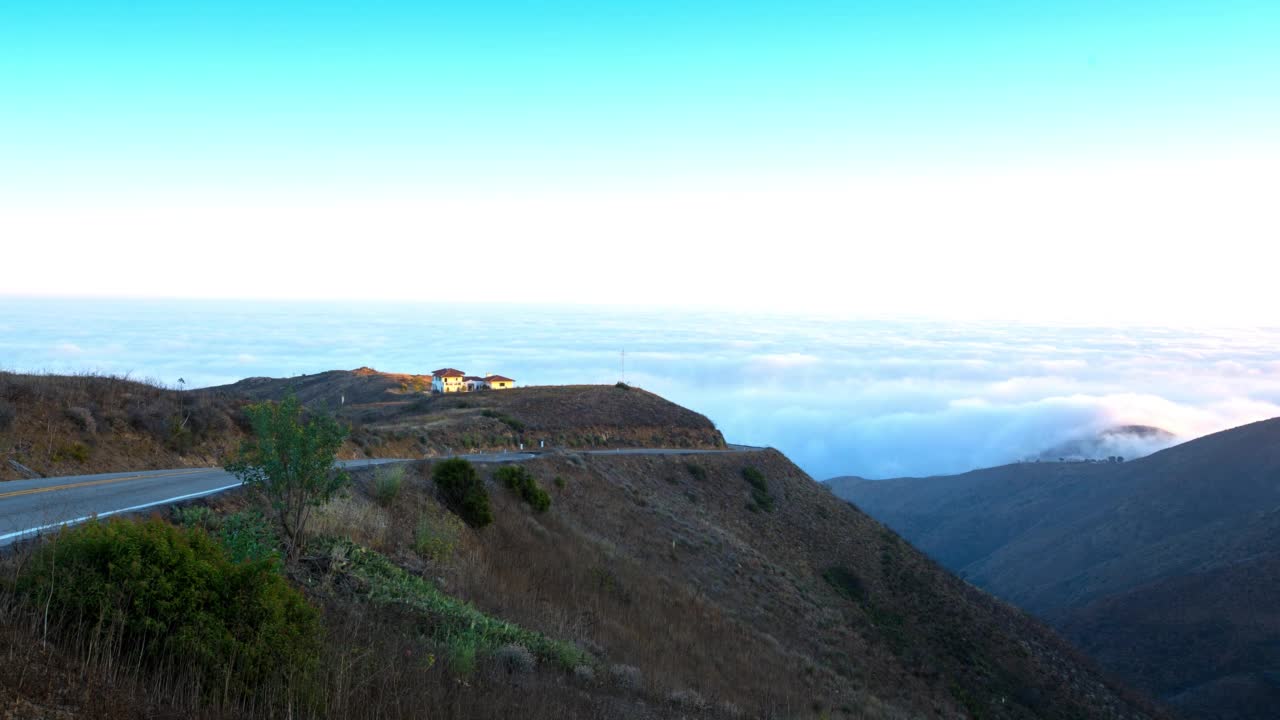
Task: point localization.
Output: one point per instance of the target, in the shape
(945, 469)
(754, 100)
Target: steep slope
(1092, 547)
(674, 565)
(1216, 635)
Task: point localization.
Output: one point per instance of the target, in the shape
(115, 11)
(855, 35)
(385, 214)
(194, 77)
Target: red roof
(448, 372)
(469, 378)
(498, 378)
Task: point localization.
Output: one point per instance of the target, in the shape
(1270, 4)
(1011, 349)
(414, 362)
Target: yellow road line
(90, 483)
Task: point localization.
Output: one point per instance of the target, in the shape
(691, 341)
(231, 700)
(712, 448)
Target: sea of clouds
(875, 398)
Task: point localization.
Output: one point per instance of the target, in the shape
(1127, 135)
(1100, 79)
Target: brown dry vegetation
(696, 587)
(73, 424)
(392, 413)
(692, 604)
(78, 424)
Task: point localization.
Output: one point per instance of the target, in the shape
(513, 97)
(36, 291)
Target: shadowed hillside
(1158, 543)
(709, 586)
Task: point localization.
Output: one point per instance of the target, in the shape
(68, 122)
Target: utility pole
(622, 365)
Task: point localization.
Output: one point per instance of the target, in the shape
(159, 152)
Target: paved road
(29, 507)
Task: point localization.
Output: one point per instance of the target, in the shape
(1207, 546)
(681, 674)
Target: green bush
(697, 471)
(246, 535)
(463, 490)
(436, 536)
(507, 420)
(387, 481)
(7, 415)
(76, 451)
(177, 593)
(761, 499)
(846, 582)
(525, 485)
(249, 537)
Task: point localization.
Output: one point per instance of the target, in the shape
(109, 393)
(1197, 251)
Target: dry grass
(70, 424)
(354, 515)
(387, 412)
(643, 563)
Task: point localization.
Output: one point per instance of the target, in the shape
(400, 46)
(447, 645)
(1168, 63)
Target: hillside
(400, 410)
(689, 602)
(1095, 547)
(78, 424)
(1124, 441)
(74, 424)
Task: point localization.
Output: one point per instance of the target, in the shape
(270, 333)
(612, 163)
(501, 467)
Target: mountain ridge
(1071, 541)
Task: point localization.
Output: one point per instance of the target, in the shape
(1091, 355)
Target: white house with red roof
(498, 382)
(450, 380)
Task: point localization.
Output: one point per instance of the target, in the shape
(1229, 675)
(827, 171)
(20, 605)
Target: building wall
(447, 385)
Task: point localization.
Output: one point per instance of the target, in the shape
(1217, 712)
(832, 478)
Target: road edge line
(17, 534)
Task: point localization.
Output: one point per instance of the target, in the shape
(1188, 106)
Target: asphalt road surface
(30, 507)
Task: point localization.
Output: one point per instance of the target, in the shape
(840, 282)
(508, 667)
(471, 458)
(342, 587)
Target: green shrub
(525, 485)
(177, 593)
(697, 471)
(622, 386)
(509, 421)
(463, 490)
(77, 451)
(460, 654)
(436, 536)
(559, 481)
(246, 535)
(7, 415)
(195, 516)
(761, 499)
(845, 582)
(387, 481)
(249, 537)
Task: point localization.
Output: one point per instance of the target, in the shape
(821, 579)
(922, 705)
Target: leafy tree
(291, 462)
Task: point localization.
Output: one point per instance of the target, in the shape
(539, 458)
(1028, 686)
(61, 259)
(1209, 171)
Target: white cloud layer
(873, 398)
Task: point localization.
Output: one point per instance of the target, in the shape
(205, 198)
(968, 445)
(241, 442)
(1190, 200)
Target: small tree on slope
(291, 463)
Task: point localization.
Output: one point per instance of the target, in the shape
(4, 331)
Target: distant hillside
(1123, 441)
(398, 411)
(1096, 547)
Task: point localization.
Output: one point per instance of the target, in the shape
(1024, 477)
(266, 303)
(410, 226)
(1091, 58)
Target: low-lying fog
(874, 398)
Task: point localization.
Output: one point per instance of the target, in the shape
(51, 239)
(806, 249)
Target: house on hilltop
(498, 382)
(450, 380)
(447, 380)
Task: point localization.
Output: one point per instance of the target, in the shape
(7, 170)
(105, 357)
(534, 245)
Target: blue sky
(137, 125)
(281, 92)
